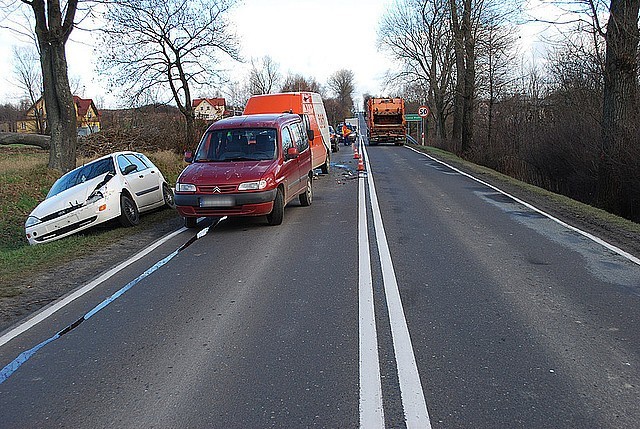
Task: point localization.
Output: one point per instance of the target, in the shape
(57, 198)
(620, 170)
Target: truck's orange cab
(310, 108)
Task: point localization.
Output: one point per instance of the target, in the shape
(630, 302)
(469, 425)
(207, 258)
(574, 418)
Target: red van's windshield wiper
(239, 158)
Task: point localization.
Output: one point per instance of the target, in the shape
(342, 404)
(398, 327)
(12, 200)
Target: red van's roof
(270, 120)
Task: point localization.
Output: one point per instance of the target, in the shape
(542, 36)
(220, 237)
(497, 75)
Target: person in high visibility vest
(345, 134)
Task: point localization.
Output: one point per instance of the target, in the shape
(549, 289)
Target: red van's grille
(219, 189)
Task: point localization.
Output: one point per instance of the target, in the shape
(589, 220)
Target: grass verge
(575, 208)
(24, 182)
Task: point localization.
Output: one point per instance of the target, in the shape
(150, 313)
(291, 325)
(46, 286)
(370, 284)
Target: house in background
(209, 109)
(7, 127)
(34, 120)
(87, 117)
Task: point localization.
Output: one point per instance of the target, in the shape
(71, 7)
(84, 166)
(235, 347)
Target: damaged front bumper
(53, 227)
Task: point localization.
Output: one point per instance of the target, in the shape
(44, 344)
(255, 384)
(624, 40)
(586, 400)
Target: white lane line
(371, 409)
(50, 310)
(413, 401)
(598, 240)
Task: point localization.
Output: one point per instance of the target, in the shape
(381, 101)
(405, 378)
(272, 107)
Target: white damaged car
(120, 185)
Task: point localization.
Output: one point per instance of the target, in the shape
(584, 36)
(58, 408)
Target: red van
(247, 166)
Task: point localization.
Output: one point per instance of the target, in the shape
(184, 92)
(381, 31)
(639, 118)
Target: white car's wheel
(129, 215)
(167, 195)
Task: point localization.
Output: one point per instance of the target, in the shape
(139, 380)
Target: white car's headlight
(185, 187)
(95, 196)
(253, 186)
(31, 220)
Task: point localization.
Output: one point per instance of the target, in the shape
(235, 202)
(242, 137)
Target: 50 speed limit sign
(423, 111)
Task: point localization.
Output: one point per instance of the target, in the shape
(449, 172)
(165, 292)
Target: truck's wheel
(327, 164)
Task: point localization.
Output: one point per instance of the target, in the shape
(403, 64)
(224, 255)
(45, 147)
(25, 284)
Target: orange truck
(309, 106)
(385, 121)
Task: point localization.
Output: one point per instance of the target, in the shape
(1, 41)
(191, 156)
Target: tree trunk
(469, 79)
(61, 113)
(190, 130)
(52, 31)
(619, 115)
(41, 141)
(458, 48)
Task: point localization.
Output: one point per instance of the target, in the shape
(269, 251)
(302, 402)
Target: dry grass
(169, 163)
(15, 160)
(575, 208)
(24, 182)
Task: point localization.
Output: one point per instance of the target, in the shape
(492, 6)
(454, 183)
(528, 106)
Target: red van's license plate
(217, 201)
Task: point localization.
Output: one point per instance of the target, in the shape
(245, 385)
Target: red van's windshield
(242, 144)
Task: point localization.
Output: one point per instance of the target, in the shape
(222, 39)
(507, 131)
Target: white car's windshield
(81, 175)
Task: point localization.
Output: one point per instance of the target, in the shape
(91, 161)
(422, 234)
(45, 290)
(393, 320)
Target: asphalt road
(502, 318)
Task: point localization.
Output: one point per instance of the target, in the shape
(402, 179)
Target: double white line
(413, 402)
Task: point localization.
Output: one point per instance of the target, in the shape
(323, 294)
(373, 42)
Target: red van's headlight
(185, 187)
(253, 186)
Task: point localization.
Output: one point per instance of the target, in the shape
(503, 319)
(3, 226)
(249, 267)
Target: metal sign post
(423, 112)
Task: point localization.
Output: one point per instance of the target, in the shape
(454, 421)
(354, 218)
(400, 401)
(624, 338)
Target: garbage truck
(385, 120)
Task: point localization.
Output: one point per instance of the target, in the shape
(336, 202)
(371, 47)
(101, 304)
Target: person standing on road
(345, 134)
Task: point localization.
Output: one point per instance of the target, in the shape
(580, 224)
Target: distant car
(335, 147)
(117, 186)
(250, 165)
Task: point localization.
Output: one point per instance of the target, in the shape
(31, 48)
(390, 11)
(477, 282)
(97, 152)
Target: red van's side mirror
(311, 135)
(188, 156)
(292, 153)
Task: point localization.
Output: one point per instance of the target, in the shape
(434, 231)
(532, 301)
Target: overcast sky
(310, 37)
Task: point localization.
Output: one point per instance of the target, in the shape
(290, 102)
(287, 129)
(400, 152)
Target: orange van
(310, 108)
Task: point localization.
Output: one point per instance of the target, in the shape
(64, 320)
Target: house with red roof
(209, 109)
(87, 116)
(35, 118)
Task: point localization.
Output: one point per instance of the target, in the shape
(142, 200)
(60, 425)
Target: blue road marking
(23, 357)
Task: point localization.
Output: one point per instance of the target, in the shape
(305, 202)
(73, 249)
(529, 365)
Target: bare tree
(496, 59)
(297, 82)
(54, 21)
(620, 102)
(264, 75)
(333, 108)
(76, 85)
(465, 18)
(236, 95)
(417, 34)
(342, 84)
(617, 181)
(28, 77)
(9, 115)
(174, 45)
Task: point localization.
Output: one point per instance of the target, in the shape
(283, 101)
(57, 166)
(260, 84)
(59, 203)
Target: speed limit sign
(423, 111)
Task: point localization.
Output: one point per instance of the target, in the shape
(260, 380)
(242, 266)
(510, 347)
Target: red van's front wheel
(277, 214)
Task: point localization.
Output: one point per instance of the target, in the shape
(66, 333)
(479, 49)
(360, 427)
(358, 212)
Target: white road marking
(61, 303)
(592, 237)
(371, 409)
(413, 401)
